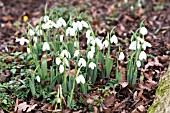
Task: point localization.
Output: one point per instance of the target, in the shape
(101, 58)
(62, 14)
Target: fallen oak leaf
(31, 107)
(153, 63)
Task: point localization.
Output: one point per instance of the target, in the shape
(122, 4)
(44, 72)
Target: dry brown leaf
(95, 109)
(22, 107)
(8, 59)
(109, 100)
(141, 108)
(31, 107)
(140, 94)
(90, 101)
(151, 83)
(7, 18)
(16, 105)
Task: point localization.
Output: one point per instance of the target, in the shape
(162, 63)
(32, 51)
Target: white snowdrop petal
(46, 46)
(90, 54)
(114, 39)
(46, 18)
(138, 63)
(38, 78)
(61, 38)
(58, 60)
(80, 79)
(142, 55)
(76, 53)
(121, 56)
(76, 44)
(88, 33)
(31, 32)
(66, 62)
(106, 43)
(61, 69)
(92, 65)
(28, 50)
(143, 31)
(82, 62)
(84, 24)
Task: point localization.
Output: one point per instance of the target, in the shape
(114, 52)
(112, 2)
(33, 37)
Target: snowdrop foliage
(46, 46)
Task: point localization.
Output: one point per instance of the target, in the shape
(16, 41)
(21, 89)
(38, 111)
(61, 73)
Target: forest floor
(103, 15)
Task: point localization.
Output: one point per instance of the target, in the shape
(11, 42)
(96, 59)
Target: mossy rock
(161, 103)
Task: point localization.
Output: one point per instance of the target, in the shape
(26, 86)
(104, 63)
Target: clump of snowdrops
(55, 48)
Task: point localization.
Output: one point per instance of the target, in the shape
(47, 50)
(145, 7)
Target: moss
(160, 104)
(153, 107)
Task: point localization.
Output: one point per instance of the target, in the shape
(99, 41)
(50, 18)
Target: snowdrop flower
(77, 25)
(22, 40)
(90, 54)
(35, 39)
(28, 50)
(142, 55)
(46, 46)
(57, 60)
(92, 65)
(84, 24)
(82, 62)
(93, 42)
(93, 49)
(121, 56)
(138, 63)
(65, 53)
(88, 33)
(46, 18)
(66, 62)
(76, 44)
(80, 79)
(140, 39)
(61, 22)
(61, 38)
(31, 32)
(134, 45)
(143, 31)
(61, 69)
(58, 100)
(38, 78)
(89, 40)
(106, 43)
(146, 44)
(70, 31)
(99, 43)
(39, 32)
(76, 53)
(114, 39)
